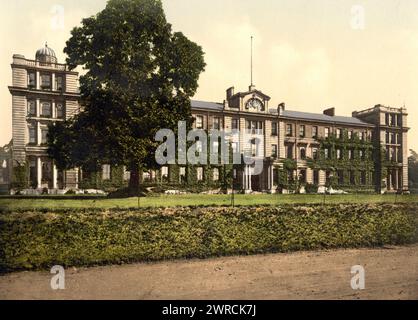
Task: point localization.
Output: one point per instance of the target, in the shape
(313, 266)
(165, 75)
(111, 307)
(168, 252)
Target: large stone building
(367, 151)
(43, 91)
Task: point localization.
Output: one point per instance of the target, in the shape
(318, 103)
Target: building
(43, 91)
(298, 150)
(367, 151)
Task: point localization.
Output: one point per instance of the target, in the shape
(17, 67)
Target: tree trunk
(134, 180)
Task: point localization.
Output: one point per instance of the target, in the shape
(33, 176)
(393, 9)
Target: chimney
(330, 112)
(281, 107)
(229, 93)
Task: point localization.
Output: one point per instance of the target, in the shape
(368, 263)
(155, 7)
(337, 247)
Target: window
(126, 174)
(352, 177)
(326, 132)
(253, 148)
(387, 137)
(399, 120)
(339, 133)
(44, 133)
(361, 154)
(31, 80)
(58, 83)
(398, 139)
(46, 81)
(45, 109)
(199, 174)
(302, 152)
(274, 128)
(289, 151)
(393, 138)
(31, 108)
(216, 123)
(182, 174)
(302, 131)
(32, 135)
(274, 150)
(106, 172)
(254, 127)
(199, 122)
(215, 174)
(350, 154)
(340, 175)
(363, 177)
(339, 154)
(60, 110)
(314, 131)
(393, 119)
(350, 134)
(234, 147)
(235, 124)
(289, 130)
(387, 119)
(362, 135)
(316, 177)
(302, 176)
(315, 153)
(326, 153)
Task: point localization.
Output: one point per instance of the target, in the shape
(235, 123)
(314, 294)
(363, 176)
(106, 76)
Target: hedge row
(39, 240)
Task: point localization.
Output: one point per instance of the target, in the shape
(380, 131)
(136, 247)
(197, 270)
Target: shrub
(40, 239)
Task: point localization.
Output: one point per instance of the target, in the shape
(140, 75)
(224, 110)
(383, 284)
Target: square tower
(391, 139)
(43, 91)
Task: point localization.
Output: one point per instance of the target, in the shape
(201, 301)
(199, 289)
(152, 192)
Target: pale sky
(310, 54)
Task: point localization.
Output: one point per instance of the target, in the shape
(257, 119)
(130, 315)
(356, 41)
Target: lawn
(197, 199)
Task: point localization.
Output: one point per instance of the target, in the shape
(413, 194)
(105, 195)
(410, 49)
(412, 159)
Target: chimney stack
(281, 107)
(330, 112)
(229, 93)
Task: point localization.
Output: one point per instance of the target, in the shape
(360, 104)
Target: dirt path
(391, 273)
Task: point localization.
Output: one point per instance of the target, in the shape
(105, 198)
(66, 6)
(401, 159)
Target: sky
(310, 54)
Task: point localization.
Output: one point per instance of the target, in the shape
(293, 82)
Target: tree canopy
(139, 77)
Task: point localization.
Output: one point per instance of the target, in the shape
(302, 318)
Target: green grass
(197, 199)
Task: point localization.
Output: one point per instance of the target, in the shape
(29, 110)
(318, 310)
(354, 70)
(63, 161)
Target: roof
(196, 104)
(46, 54)
(204, 105)
(323, 117)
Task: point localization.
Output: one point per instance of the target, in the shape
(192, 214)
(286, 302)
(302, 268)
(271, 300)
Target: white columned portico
(53, 87)
(268, 179)
(249, 179)
(53, 111)
(38, 133)
(54, 176)
(38, 107)
(38, 81)
(39, 172)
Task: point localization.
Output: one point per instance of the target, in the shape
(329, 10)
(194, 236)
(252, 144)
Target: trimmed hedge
(39, 239)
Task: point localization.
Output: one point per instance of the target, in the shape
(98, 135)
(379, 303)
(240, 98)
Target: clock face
(254, 104)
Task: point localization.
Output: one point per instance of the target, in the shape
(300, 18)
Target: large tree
(139, 77)
(413, 169)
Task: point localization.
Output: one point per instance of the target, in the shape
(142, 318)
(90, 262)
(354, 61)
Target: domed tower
(43, 92)
(46, 55)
